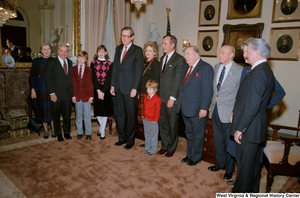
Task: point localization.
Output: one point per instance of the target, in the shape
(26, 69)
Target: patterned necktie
(221, 78)
(166, 60)
(65, 67)
(80, 73)
(124, 53)
(188, 74)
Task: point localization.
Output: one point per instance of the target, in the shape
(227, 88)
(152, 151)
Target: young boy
(83, 94)
(150, 115)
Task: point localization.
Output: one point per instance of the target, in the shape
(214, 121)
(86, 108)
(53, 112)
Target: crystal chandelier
(8, 10)
(138, 3)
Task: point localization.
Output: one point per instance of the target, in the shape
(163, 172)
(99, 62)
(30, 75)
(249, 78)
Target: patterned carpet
(31, 166)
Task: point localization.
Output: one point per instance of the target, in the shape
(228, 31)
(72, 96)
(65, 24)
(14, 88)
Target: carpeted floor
(96, 168)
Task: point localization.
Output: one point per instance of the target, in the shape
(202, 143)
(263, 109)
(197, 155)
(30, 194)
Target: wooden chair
(282, 157)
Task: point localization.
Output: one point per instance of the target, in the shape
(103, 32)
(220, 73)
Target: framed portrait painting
(236, 34)
(286, 10)
(239, 9)
(285, 43)
(208, 43)
(209, 13)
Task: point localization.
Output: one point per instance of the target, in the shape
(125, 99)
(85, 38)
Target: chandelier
(138, 3)
(8, 10)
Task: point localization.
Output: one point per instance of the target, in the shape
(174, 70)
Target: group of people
(136, 87)
(55, 84)
(19, 54)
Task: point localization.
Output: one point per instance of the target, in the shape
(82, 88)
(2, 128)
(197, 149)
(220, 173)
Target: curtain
(122, 17)
(109, 35)
(94, 23)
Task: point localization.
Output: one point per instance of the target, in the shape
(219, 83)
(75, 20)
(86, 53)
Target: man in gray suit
(172, 65)
(226, 83)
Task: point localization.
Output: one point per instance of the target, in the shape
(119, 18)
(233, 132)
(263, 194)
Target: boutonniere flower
(197, 74)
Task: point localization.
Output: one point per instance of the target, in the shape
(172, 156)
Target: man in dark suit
(60, 87)
(126, 79)
(250, 119)
(225, 88)
(172, 65)
(196, 90)
(13, 50)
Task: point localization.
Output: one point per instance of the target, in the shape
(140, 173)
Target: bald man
(226, 83)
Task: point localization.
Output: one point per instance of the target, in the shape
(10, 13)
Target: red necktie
(80, 73)
(188, 74)
(65, 67)
(124, 53)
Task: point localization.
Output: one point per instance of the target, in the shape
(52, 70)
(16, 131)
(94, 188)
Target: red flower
(197, 74)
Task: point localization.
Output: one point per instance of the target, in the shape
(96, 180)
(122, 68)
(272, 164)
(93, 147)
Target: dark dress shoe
(142, 145)
(230, 182)
(186, 159)
(68, 137)
(128, 146)
(98, 134)
(213, 168)
(192, 163)
(79, 137)
(102, 138)
(60, 138)
(161, 152)
(227, 176)
(119, 143)
(46, 137)
(169, 153)
(88, 137)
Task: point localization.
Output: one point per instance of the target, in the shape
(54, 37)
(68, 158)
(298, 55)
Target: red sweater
(83, 89)
(151, 108)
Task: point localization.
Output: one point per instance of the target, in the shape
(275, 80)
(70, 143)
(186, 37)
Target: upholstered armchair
(282, 157)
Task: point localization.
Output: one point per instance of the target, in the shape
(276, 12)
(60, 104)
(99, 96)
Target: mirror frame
(76, 34)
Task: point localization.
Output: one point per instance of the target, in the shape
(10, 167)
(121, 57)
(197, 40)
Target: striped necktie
(221, 78)
(80, 73)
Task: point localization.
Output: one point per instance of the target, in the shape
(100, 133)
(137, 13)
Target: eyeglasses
(125, 36)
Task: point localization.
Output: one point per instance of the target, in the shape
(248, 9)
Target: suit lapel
(76, 71)
(193, 74)
(129, 51)
(61, 67)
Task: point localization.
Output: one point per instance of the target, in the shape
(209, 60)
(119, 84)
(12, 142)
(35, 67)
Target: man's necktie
(65, 67)
(221, 78)
(80, 73)
(124, 53)
(165, 64)
(187, 75)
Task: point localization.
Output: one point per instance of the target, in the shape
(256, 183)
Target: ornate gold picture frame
(209, 13)
(286, 11)
(239, 9)
(208, 43)
(285, 43)
(235, 35)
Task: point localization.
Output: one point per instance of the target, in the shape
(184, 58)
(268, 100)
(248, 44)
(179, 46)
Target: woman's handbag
(34, 124)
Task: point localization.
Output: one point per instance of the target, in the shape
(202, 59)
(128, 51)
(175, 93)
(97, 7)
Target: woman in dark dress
(39, 90)
(152, 71)
(101, 76)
